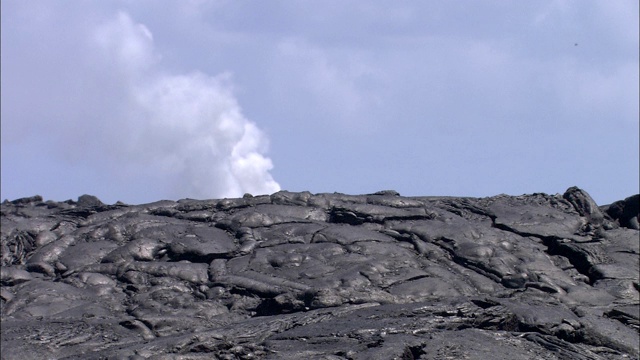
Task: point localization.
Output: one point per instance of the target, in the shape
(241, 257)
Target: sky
(142, 100)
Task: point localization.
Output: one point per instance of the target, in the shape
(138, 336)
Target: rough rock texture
(326, 276)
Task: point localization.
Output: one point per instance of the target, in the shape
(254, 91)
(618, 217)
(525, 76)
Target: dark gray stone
(625, 212)
(89, 201)
(321, 276)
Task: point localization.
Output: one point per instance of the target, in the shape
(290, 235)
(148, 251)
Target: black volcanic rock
(321, 276)
(625, 212)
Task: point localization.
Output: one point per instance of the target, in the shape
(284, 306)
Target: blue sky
(145, 100)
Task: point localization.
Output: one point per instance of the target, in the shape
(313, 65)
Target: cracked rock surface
(321, 276)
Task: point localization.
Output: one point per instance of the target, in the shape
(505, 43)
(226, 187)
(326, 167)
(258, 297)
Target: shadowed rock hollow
(325, 276)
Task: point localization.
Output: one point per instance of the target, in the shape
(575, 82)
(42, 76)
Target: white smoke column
(188, 129)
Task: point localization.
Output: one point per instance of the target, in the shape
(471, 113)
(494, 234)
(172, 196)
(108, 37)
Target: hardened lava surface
(321, 276)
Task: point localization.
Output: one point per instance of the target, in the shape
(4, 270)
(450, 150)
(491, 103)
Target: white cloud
(191, 127)
(185, 127)
(126, 42)
(330, 79)
(107, 107)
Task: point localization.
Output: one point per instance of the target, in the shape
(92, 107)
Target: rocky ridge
(322, 276)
